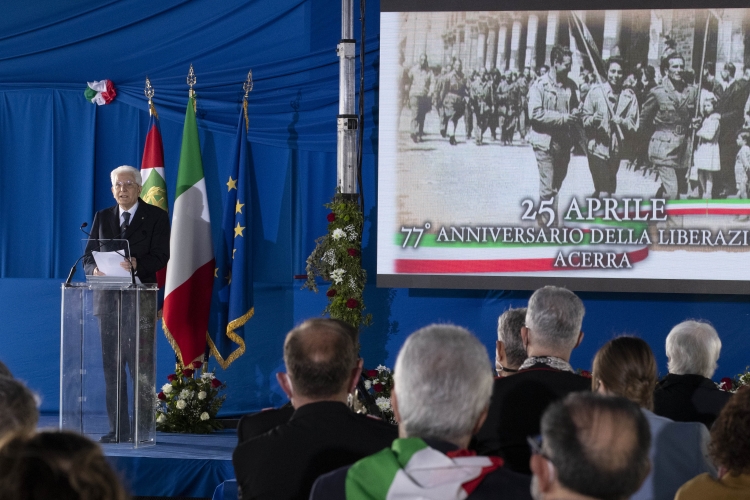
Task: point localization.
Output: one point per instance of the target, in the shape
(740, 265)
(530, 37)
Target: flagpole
(598, 76)
(698, 95)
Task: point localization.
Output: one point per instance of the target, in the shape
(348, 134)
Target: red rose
(331, 292)
(215, 383)
(726, 384)
(352, 303)
(171, 377)
(197, 364)
(161, 396)
(585, 373)
(187, 372)
(377, 387)
(353, 252)
(372, 373)
(331, 217)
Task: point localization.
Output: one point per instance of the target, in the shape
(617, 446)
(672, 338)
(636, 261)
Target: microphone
(83, 226)
(87, 252)
(144, 234)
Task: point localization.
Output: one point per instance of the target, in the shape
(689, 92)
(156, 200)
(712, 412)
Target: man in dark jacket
(552, 331)
(323, 434)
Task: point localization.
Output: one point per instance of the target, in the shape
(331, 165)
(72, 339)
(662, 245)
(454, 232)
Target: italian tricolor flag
(154, 191)
(411, 469)
(191, 262)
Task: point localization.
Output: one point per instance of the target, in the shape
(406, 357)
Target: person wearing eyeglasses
(146, 228)
(510, 352)
(591, 447)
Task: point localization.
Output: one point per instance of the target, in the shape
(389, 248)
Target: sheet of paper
(109, 264)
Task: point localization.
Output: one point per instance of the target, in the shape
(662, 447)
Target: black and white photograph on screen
(566, 143)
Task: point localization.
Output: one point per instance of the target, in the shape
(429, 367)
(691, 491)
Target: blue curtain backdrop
(56, 152)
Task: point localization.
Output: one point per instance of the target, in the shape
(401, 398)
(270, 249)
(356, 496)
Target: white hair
(693, 348)
(443, 381)
(126, 170)
(554, 316)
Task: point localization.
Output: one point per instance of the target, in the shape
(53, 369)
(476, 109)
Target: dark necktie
(125, 222)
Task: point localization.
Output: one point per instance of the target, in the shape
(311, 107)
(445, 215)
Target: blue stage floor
(179, 465)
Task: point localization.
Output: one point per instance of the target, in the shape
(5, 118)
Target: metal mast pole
(347, 121)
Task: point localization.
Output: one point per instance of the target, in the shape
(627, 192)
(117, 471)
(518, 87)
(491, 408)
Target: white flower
(352, 234)
(186, 394)
(383, 403)
(202, 395)
(161, 418)
(329, 257)
(207, 376)
(382, 368)
(166, 388)
(337, 275)
(368, 384)
(204, 416)
(338, 234)
(181, 404)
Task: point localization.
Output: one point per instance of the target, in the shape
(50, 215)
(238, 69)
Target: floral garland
(734, 384)
(189, 404)
(337, 258)
(379, 383)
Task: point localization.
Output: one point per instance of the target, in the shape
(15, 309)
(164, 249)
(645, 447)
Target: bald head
(598, 444)
(319, 355)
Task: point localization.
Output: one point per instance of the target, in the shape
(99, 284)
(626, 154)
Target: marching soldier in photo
(670, 106)
(454, 104)
(469, 112)
(553, 113)
(419, 81)
(481, 100)
(439, 93)
(504, 109)
(610, 114)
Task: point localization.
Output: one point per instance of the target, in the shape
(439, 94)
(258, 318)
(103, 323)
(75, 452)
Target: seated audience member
(730, 449)
(4, 371)
(687, 393)
(552, 331)
(263, 421)
(509, 351)
(592, 447)
(626, 367)
(59, 465)
(442, 388)
(18, 409)
(323, 434)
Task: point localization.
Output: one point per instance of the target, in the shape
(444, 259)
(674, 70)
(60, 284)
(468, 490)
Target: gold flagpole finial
(149, 92)
(247, 87)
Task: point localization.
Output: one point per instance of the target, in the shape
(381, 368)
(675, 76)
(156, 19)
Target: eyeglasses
(124, 185)
(535, 445)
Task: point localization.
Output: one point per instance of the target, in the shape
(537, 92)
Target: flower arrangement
(189, 402)
(379, 383)
(733, 384)
(337, 259)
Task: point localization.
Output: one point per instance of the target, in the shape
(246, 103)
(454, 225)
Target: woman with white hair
(687, 393)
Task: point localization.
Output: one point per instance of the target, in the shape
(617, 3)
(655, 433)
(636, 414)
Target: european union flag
(233, 276)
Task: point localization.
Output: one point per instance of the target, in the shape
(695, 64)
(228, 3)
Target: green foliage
(337, 258)
(189, 402)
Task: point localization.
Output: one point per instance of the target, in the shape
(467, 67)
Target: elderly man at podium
(146, 228)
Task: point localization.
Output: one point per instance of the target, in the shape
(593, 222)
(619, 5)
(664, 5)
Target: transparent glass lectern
(108, 361)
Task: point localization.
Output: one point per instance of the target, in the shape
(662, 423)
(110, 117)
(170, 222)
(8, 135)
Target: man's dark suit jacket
(255, 424)
(500, 483)
(689, 398)
(147, 234)
(320, 437)
(516, 408)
